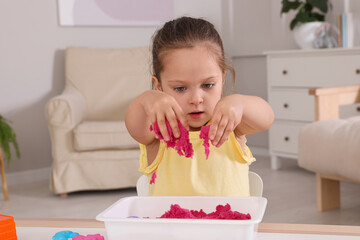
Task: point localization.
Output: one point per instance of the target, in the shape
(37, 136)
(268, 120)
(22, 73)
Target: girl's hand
(159, 107)
(227, 116)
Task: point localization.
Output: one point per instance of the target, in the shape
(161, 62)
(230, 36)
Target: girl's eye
(179, 89)
(208, 85)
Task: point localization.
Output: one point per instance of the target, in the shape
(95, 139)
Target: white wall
(31, 64)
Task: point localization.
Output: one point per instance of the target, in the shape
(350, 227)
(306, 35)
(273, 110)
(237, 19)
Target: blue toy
(64, 235)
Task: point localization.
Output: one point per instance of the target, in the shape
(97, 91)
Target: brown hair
(187, 32)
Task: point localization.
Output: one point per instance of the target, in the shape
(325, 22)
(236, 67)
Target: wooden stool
(6, 195)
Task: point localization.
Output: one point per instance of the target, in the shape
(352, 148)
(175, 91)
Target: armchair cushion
(331, 147)
(108, 78)
(103, 135)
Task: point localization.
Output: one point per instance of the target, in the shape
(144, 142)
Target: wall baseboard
(28, 176)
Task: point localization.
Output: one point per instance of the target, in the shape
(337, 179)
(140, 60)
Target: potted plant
(309, 17)
(7, 137)
(307, 10)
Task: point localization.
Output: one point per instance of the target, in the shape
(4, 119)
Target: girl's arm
(150, 107)
(242, 114)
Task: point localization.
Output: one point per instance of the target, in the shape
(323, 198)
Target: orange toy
(7, 228)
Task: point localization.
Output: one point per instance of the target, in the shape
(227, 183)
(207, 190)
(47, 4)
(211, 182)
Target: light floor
(290, 192)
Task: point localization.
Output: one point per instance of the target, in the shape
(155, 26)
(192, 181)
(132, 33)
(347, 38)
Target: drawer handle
(284, 72)
(286, 139)
(358, 71)
(358, 109)
(286, 105)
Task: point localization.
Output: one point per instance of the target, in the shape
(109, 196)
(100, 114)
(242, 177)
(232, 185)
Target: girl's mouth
(196, 115)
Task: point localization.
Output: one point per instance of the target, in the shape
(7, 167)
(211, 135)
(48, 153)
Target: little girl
(188, 76)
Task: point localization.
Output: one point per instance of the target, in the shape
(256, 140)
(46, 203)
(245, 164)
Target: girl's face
(194, 78)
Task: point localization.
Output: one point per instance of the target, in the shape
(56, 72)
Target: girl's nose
(196, 98)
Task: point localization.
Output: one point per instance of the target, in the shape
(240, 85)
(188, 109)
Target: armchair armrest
(328, 100)
(67, 109)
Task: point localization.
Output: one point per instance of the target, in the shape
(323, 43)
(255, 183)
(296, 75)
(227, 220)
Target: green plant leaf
(322, 5)
(307, 7)
(293, 23)
(304, 16)
(318, 17)
(7, 137)
(15, 144)
(6, 148)
(307, 10)
(289, 5)
(17, 149)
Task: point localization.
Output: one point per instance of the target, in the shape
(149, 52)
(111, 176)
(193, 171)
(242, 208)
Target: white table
(44, 229)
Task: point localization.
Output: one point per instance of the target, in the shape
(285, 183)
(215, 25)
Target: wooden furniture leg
(327, 193)
(327, 103)
(6, 195)
(63, 195)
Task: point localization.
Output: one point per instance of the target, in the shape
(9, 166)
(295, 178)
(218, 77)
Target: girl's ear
(156, 83)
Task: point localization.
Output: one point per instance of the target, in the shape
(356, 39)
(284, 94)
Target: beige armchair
(91, 147)
(330, 147)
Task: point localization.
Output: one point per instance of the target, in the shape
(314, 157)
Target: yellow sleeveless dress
(224, 173)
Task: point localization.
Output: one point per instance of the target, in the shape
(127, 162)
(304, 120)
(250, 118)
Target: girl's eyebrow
(211, 77)
(176, 81)
(182, 81)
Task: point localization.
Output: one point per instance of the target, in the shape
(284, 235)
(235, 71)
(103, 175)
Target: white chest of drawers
(289, 76)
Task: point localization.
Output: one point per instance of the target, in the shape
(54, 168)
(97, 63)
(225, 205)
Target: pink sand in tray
(222, 212)
(182, 144)
(204, 134)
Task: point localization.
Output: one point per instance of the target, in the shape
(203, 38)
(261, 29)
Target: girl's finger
(180, 116)
(152, 120)
(214, 126)
(229, 128)
(161, 120)
(220, 131)
(171, 117)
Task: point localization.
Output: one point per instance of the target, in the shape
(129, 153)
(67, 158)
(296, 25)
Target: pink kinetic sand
(222, 212)
(204, 134)
(182, 144)
(89, 237)
(153, 177)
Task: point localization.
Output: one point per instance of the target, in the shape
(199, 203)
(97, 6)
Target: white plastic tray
(119, 226)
